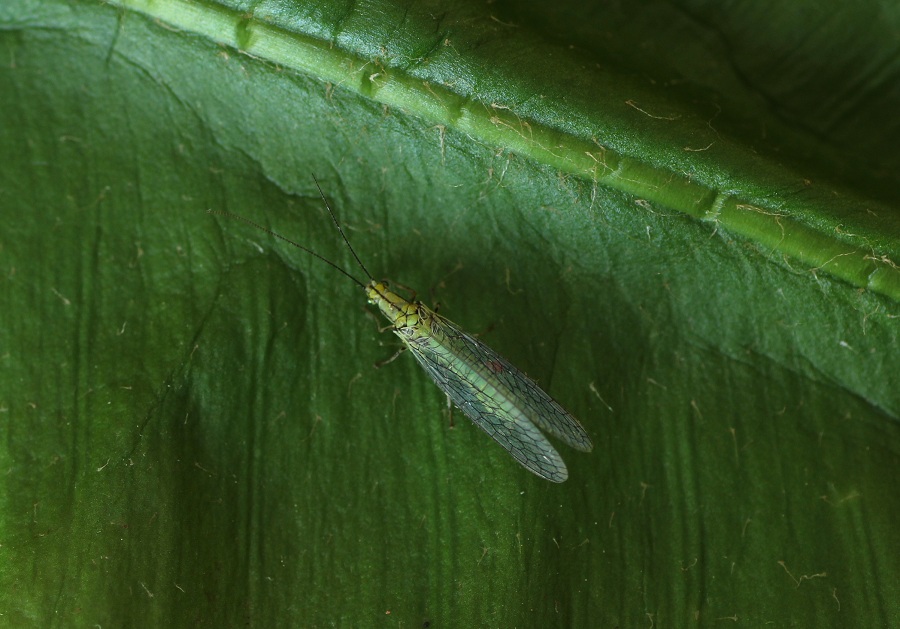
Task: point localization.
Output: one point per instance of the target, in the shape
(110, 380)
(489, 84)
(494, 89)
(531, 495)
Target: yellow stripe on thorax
(410, 319)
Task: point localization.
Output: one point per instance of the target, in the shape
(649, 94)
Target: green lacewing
(498, 398)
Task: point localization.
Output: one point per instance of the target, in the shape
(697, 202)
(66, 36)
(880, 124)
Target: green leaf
(681, 219)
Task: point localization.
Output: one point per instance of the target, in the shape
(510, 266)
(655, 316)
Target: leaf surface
(680, 218)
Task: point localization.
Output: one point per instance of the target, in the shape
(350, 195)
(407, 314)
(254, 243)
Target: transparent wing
(539, 407)
(507, 425)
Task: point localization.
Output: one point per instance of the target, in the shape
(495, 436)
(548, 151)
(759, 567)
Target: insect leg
(382, 363)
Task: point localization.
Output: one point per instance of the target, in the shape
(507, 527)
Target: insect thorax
(407, 317)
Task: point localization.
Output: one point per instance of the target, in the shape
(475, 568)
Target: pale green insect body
(495, 395)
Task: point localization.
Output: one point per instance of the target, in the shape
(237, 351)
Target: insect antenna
(341, 229)
(299, 246)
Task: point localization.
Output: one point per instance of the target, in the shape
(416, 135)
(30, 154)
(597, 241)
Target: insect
(495, 395)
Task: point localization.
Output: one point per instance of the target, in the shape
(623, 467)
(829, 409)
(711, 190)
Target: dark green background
(192, 430)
